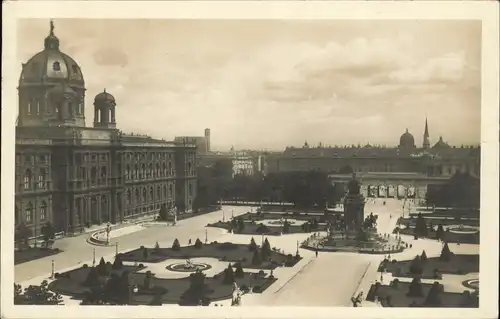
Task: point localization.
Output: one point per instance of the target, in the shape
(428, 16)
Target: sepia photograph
(261, 162)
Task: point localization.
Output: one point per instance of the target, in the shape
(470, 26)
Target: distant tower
(427, 143)
(104, 110)
(207, 139)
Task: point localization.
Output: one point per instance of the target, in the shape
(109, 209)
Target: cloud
(110, 56)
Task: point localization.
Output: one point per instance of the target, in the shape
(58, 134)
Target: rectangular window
(26, 182)
(28, 216)
(43, 213)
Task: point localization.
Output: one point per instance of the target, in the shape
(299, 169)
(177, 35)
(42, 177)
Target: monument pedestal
(354, 211)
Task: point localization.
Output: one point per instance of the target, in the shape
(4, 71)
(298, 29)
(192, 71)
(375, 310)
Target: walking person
(316, 252)
(189, 243)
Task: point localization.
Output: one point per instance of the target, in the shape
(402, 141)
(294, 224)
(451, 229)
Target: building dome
(51, 66)
(406, 140)
(104, 97)
(441, 144)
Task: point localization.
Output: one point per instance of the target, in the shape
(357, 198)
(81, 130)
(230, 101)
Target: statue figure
(354, 185)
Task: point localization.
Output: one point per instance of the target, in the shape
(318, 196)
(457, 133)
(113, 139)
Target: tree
(446, 254)
(92, 278)
(440, 232)
(253, 245)
(198, 244)
(416, 267)
(36, 295)
(238, 273)
(147, 280)
(228, 275)
(423, 256)
(22, 235)
(286, 228)
(256, 259)
(176, 245)
(415, 288)
(48, 233)
(101, 267)
(118, 263)
(157, 247)
(196, 291)
(420, 226)
(262, 229)
(163, 213)
(145, 253)
(241, 224)
(265, 250)
(433, 296)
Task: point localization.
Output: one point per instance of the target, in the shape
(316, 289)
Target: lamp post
(232, 213)
(93, 258)
(262, 241)
(223, 215)
(297, 247)
(52, 272)
(116, 250)
(206, 235)
(108, 230)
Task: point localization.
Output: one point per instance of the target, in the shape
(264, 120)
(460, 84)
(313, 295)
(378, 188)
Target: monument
(354, 205)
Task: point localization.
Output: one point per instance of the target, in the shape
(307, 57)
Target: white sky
(269, 84)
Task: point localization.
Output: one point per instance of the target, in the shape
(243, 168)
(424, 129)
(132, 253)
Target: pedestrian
(189, 242)
(316, 253)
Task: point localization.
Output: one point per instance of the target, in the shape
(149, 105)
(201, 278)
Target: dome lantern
(51, 41)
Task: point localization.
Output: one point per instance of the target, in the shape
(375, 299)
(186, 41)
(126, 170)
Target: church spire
(426, 143)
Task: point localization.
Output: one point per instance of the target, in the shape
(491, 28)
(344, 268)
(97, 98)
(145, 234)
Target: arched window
(104, 173)
(169, 169)
(151, 194)
(127, 172)
(129, 197)
(93, 175)
(144, 195)
(170, 190)
(137, 198)
(158, 193)
(41, 178)
(27, 179)
(165, 191)
(190, 189)
(29, 108)
(29, 212)
(189, 168)
(143, 169)
(150, 170)
(37, 107)
(164, 169)
(43, 210)
(158, 170)
(136, 171)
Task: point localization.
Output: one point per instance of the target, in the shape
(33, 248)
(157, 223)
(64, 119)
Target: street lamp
(297, 247)
(206, 235)
(223, 215)
(232, 213)
(262, 241)
(93, 259)
(108, 230)
(52, 272)
(116, 251)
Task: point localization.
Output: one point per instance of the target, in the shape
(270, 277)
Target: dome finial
(52, 27)
(104, 90)
(406, 130)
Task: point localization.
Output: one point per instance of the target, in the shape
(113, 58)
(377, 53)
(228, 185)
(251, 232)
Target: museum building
(76, 176)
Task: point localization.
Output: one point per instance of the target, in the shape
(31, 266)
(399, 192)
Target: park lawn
(32, 253)
(321, 217)
(449, 236)
(458, 264)
(398, 297)
(70, 283)
(223, 251)
(442, 221)
(251, 228)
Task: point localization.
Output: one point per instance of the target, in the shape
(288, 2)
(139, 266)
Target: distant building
(72, 175)
(440, 160)
(202, 142)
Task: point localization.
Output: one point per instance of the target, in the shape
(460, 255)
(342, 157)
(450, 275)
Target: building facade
(76, 176)
(441, 160)
(202, 142)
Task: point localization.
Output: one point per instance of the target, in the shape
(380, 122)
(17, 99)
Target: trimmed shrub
(238, 273)
(256, 259)
(176, 245)
(252, 246)
(198, 244)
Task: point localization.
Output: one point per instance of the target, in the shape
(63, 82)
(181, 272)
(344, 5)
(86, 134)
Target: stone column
(98, 207)
(113, 119)
(96, 115)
